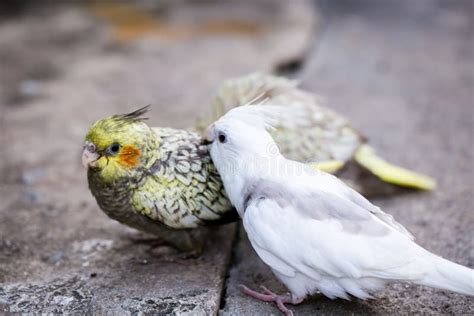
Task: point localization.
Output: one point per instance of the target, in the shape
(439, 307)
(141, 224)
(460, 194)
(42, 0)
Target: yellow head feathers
(119, 145)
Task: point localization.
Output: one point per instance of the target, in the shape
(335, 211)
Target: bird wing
(321, 233)
(183, 188)
(314, 183)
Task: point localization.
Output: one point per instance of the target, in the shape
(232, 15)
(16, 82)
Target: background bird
(324, 136)
(314, 232)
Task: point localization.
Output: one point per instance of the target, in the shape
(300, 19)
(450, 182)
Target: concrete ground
(401, 71)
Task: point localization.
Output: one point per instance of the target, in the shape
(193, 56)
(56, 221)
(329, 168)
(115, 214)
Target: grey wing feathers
(189, 189)
(361, 201)
(353, 212)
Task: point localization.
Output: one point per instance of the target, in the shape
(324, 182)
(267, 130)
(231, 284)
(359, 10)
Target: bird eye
(222, 138)
(114, 148)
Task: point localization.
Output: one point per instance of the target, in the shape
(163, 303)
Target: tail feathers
(451, 276)
(387, 172)
(330, 166)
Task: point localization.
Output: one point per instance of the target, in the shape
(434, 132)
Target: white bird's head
(241, 146)
(240, 137)
(239, 143)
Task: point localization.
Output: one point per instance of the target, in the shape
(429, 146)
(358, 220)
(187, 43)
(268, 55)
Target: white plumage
(314, 232)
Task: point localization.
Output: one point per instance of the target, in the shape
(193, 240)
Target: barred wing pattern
(323, 135)
(183, 188)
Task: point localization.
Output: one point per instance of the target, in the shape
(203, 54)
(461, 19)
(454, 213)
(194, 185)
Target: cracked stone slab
(56, 296)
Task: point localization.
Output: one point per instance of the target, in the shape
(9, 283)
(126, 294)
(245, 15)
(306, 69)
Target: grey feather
(319, 205)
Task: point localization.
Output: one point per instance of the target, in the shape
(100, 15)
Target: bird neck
(246, 169)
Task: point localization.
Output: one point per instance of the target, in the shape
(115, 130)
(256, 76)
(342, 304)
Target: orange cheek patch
(129, 156)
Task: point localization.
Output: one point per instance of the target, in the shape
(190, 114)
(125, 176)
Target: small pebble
(32, 196)
(56, 257)
(30, 88)
(28, 177)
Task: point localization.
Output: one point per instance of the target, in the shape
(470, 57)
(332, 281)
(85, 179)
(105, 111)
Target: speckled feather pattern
(180, 188)
(323, 136)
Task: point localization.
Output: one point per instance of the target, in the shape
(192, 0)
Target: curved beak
(89, 155)
(209, 134)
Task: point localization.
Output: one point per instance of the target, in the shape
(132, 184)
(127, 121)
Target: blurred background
(400, 71)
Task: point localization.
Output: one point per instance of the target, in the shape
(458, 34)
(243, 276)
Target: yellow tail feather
(365, 156)
(330, 166)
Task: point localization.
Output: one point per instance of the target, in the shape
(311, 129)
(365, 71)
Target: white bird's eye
(222, 138)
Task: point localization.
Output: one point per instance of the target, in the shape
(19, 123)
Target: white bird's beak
(89, 156)
(209, 134)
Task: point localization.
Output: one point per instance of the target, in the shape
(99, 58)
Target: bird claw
(267, 291)
(269, 296)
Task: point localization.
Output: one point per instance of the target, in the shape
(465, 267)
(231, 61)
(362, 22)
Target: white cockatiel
(315, 232)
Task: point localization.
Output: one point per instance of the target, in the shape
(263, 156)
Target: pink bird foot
(269, 296)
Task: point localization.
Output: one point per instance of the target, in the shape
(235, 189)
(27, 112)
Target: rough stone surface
(64, 65)
(402, 71)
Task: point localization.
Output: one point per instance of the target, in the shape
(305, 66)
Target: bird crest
(119, 121)
(135, 116)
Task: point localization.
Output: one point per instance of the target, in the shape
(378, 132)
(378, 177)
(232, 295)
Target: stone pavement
(402, 71)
